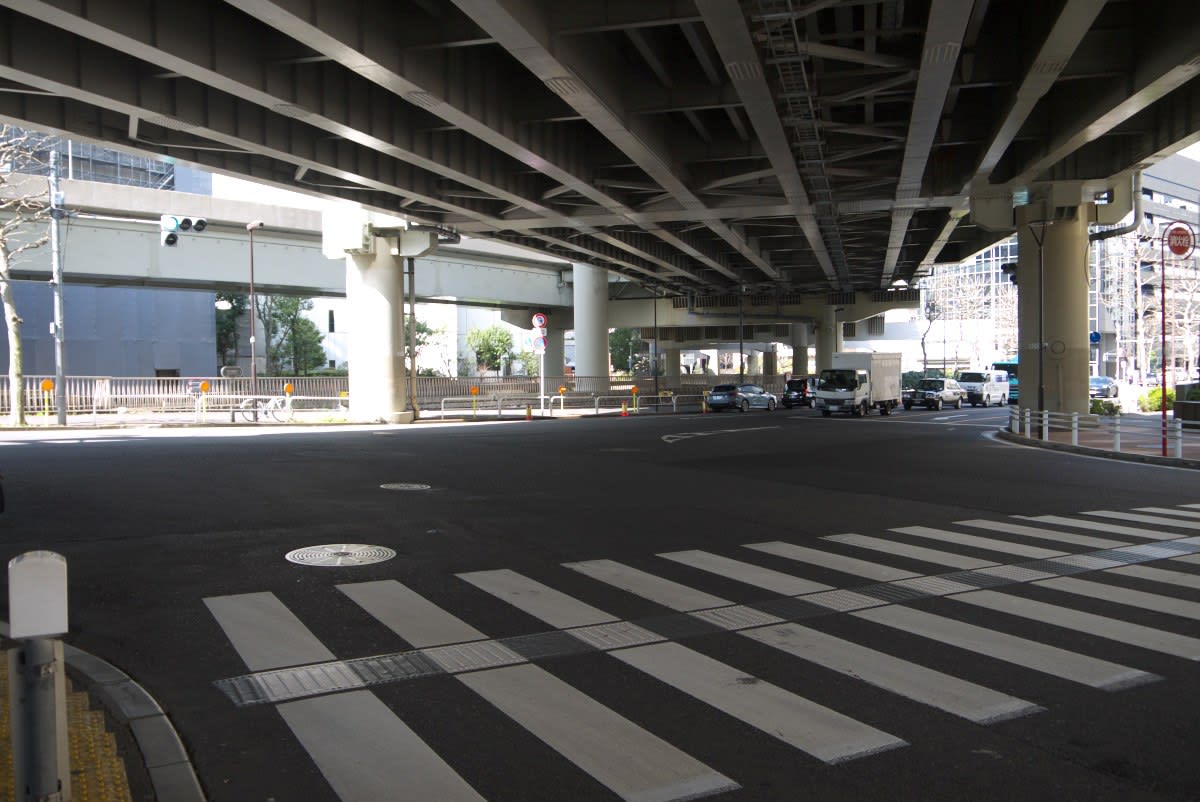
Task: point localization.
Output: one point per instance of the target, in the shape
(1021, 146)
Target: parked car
(799, 392)
(935, 393)
(742, 397)
(1103, 387)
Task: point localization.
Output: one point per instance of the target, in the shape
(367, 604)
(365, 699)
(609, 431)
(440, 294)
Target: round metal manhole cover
(334, 555)
(404, 486)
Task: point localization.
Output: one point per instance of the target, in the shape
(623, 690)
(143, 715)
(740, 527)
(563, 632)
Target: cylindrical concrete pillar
(1052, 292)
(591, 327)
(770, 365)
(671, 366)
(555, 360)
(754, 363)
(375, 291)
(800, 364)
(829, 338)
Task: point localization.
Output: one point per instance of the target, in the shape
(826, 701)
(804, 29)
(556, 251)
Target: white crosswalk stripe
(1009, 648)
(908, 679)
(823, 733)
(1158, 575)
(1099, 526)
(1170, 511)
(1090, 623)
(343, 725)
(974, 541)
(954, 695)
(765, 578)
(623, 757)
(342, 733)
(640, 583)
(915, 552)
(835, 562)
(1131, 598)
(1038, 533)
(1156, 520)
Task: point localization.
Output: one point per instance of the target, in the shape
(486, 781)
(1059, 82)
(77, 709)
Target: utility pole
(56, 281)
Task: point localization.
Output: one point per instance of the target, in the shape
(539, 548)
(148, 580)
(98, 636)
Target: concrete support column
(800, 337)
(1052, 292)
(770, 365)
(375, 291)
(754, 363)
(555, 357)
(671, 366)
(591, 327)
(829, 338)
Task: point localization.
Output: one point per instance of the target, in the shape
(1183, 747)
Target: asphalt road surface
(768, 606)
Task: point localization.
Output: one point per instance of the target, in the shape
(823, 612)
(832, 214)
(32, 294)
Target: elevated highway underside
(770, 147)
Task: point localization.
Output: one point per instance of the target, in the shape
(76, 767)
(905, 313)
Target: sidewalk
(143, 754)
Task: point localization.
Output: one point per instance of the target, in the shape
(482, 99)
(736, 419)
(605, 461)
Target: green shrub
(1102, 406)
(1152, 401)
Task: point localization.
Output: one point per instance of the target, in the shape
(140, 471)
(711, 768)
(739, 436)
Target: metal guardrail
(1103, 431)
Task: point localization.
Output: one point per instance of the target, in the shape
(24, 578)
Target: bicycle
(258, 408)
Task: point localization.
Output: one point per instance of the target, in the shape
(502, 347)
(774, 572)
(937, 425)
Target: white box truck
(859, 382)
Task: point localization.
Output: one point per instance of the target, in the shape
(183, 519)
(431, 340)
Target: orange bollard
(624, 410)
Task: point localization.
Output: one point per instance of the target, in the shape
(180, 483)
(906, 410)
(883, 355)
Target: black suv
(799, 392)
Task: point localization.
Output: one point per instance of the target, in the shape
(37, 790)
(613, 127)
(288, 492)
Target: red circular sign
(539, 320)
(1180, 240)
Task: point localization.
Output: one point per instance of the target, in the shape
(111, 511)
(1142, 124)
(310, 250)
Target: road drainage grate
(335, 555)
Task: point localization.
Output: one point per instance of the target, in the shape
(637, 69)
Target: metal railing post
(1045, 424)
(1074, 428)
(1177, 425)
(1028, 421)
(1117, 434)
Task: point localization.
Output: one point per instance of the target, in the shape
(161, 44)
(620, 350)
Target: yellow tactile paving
(97, 771)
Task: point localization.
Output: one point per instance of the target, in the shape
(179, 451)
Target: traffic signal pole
(56, 281)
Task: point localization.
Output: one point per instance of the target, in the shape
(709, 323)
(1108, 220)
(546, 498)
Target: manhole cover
(338, 554)
(404, 486)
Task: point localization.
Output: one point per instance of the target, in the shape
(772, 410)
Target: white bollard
(1177, 425)
(1117, 434)
(1028, 422)
(1074, 428)
(1045, 424)
(37, 610)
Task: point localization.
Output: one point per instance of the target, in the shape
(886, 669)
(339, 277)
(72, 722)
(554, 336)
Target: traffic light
(171, 225)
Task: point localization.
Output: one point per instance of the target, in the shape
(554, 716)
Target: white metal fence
(1140, 434)
(104, 394)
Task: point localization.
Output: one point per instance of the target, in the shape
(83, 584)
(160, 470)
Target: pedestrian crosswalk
(1067, 573)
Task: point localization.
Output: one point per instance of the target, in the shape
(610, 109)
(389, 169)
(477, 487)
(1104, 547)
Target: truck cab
(843, 390)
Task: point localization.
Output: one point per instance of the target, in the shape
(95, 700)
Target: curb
(1123, 456)
(167, 763)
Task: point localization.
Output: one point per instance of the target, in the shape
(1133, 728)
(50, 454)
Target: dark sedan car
(1103, 387)
(799, 392)
(742, 397)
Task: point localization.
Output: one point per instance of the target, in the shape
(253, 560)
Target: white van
(985, 387)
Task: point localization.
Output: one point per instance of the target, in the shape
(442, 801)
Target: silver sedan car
(742, 397)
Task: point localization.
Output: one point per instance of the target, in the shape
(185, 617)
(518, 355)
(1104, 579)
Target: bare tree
(24, 212)
(932, 313)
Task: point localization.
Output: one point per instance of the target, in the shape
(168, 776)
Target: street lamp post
(250, 229)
